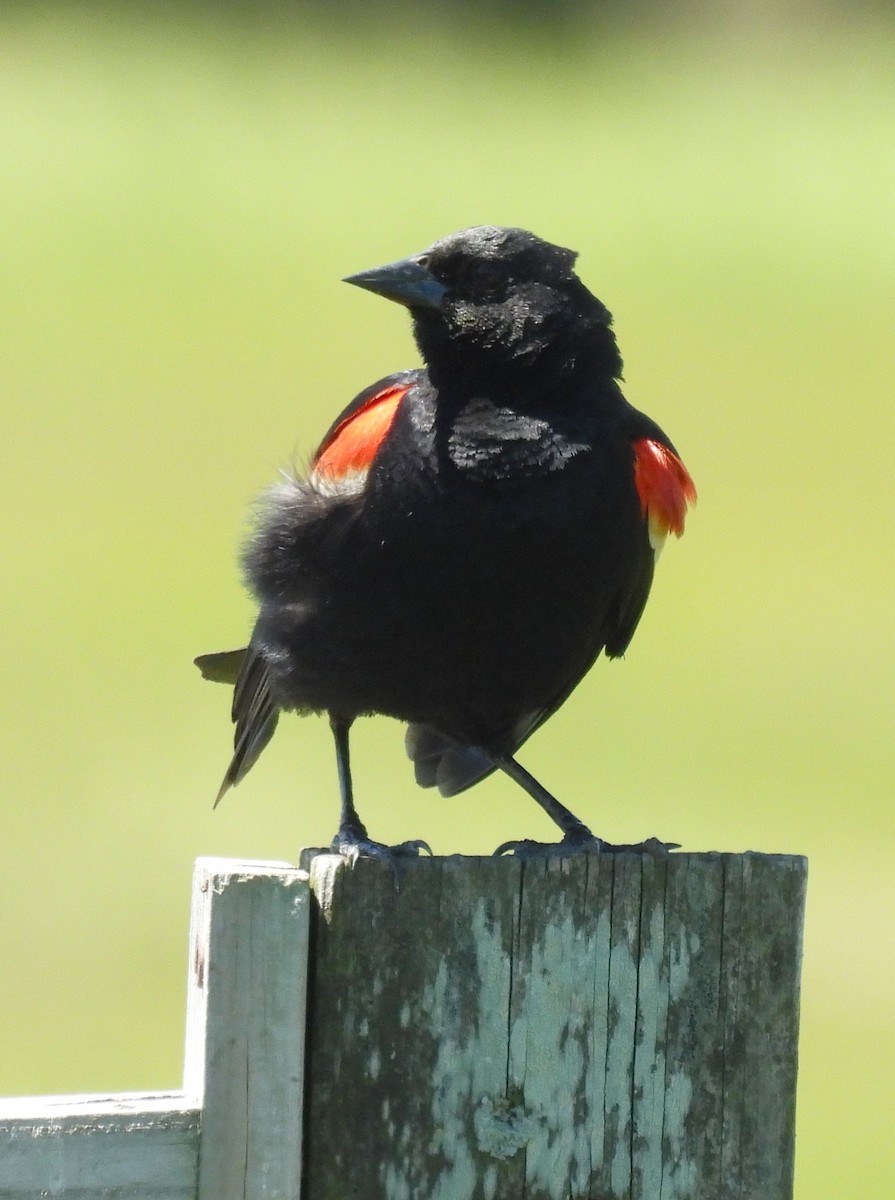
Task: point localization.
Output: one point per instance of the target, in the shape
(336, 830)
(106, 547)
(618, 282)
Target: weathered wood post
(245, 1035)
(589, 1028)
(477, 1029)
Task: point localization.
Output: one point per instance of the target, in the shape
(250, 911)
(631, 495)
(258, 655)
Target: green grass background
(180, 196)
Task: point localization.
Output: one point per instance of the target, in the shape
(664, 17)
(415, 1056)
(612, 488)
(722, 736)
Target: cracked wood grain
(568, 1029)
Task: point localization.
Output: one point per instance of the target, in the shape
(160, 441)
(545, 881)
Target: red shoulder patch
(665, 489)
(352, 445)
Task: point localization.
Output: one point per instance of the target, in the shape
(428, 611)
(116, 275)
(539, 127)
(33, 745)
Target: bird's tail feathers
(254, 711)
(223, 666)
(248, 745)
(452, 767)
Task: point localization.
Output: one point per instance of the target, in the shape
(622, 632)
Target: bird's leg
(577, 838)
(351, 827)
(352, 840)
(573, 830)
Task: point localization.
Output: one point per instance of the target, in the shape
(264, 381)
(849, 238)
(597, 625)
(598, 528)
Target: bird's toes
(353, 846)
(653, 847)
(412, 849)
(525, 848)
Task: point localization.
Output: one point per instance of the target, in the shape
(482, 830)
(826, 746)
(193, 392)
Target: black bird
(471, 534)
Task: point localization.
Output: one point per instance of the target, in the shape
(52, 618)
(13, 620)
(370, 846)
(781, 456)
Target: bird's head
(491, 301)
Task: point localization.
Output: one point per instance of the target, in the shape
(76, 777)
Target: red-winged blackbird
(470, 535)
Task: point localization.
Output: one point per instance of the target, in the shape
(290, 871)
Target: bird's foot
(653, 846)
(582, 841)
(353, 843)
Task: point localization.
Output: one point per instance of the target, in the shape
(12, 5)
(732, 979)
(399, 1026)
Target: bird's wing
(665, 487)
(352, 441)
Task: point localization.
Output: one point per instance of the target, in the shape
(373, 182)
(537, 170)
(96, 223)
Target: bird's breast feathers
(494, 442)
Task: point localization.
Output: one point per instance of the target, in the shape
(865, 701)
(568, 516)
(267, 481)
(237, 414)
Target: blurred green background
(182, 189)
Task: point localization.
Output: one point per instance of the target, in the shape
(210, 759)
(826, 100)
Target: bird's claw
(411, 849)
(587, 843)
(654, 847)
(352, 847)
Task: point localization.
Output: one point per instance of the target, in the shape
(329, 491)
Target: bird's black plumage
(472, 534)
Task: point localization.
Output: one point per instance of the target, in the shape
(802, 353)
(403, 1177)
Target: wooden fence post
(615, 1028)
(568, 1029)
(245, 1039)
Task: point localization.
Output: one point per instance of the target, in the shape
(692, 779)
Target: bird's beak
(407, 282)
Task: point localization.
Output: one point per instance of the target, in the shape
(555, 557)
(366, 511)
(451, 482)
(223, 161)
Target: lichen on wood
(590, 1027)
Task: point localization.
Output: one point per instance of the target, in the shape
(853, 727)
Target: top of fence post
(615, 1026)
